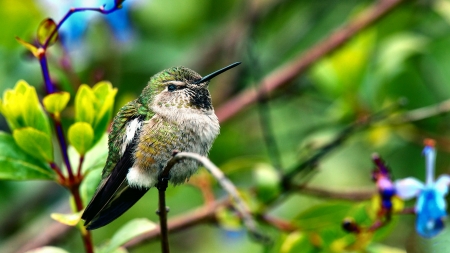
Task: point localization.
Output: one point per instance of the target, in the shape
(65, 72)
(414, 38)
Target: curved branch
(226, 184)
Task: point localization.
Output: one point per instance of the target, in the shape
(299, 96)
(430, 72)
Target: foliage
(324, 124)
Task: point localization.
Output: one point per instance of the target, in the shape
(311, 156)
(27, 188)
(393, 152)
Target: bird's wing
(114, 196)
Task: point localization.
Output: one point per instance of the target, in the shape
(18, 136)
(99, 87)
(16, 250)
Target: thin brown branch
(287, 73)
(353, 195)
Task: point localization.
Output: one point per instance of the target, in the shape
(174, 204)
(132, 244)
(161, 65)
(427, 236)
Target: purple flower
(430, 206)
(382, 178)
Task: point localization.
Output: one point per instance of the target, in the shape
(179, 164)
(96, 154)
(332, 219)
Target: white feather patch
(131, 130)
(137, 179)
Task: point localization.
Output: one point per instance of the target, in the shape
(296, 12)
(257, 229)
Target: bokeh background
(405, 55)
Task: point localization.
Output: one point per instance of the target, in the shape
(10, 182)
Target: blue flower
(430, 206)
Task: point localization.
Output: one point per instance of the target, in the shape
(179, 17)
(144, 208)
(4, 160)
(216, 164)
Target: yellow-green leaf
(34, 142)
(81, 136)
(45, 30)
(34, 50)
(21, 108)
(56, 102)
(32, 111)
(84, 105)
(70, 219)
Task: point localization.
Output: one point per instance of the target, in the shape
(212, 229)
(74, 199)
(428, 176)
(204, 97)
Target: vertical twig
(80, 166)
(162, 212)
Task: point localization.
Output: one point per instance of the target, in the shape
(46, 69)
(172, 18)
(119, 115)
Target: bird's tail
(101, 211)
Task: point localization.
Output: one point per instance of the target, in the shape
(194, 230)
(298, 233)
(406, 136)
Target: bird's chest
(197, 132)
(188, 132)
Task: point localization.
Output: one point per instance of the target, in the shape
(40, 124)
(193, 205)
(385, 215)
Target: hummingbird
(173, 112)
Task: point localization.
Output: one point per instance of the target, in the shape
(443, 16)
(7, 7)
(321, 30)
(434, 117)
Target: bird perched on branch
(173, 112)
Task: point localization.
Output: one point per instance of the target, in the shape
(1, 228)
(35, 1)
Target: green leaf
(45, 30)
(34, 142)
(84, 105)
(129, 231)
(56, 102)
(15, 164)
(34, 50)
(81, 136)
(105, 94)
(71, 219)
(47, 249)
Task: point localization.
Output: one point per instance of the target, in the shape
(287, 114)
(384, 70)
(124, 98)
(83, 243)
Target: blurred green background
(405, 55)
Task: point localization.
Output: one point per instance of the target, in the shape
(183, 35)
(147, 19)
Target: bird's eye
(171, 87)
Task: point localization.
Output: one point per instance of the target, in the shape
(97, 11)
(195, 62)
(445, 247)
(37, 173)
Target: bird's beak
(216, 73)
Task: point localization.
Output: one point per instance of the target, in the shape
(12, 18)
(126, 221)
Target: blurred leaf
(56, 102)
(47, 249)
(379, 248)
(324, 222)
(15, 164)
(343, 71)
(81, 136)
(297, 242)
(84, 105)
(129, 231)
(89, 185)
(34, 50)
(323, 216)
(267, 181)
(45, 30)
(71, 219)
(35, 143)
(403, 46)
